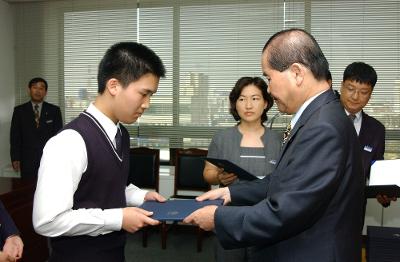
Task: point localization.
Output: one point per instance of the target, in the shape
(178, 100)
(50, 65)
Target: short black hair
(237, 90)
(127, 62)
(37, 80)
(301, 48)
(361, 73)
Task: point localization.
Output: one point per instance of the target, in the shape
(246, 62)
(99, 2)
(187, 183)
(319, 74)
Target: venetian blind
(206, 46)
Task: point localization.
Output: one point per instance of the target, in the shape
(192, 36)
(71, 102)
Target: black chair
(144, 172)
(144, 168)
(189, 166)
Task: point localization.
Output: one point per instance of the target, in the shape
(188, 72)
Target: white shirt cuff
(113, 219)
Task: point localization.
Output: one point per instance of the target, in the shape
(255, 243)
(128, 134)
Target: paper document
(385, 172)
(384, 179)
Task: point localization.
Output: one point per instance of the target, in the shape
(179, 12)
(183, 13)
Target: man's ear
(298, 72)
(112, 86)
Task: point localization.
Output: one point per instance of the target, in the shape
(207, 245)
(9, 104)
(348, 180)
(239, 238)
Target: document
(176, 210)
(384, 179)
(230, 167)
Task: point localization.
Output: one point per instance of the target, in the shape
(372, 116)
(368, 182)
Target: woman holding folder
(249, 144)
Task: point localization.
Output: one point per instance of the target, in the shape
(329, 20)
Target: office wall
(7, 79)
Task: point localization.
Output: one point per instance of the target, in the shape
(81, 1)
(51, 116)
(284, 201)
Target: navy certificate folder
(176, 210)
(230, 167)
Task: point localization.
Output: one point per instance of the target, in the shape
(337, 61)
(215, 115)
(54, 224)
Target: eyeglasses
(352, 91)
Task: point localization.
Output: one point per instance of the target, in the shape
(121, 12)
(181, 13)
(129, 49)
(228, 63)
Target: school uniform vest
(101, 186)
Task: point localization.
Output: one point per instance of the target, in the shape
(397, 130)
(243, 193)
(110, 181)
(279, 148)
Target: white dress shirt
(63, 162)
(357, 121)
(303, 107)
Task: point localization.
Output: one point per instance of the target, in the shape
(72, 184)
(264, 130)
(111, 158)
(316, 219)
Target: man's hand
(154, 196)
(16, 165)
(203, 217)
(135, 218)
(384, 200)
(13, 247)
(219, 193)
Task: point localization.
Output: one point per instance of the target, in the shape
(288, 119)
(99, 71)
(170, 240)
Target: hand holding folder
(230, 167)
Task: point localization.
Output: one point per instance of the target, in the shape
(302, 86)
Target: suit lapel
(315, 105)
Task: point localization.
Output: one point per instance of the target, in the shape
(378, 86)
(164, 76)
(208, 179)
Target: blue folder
(230, 167)
(176, 210)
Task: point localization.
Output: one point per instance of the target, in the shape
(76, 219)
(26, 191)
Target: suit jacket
(27, 141)
(7, 226)
(372, 141)
(310, 208)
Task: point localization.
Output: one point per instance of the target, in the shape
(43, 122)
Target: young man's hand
(154, 196)
(135, 218)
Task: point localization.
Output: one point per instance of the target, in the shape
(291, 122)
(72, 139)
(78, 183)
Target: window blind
(206, 46)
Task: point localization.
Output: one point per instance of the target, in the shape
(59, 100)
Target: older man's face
(281, 86)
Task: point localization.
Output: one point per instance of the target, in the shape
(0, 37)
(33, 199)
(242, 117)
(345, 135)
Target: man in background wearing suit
(33, 123)
(11, 245)
(359, 80)
(310, 208)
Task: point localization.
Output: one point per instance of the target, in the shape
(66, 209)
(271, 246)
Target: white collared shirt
(302, 108)
(357, 121)
(63, 162)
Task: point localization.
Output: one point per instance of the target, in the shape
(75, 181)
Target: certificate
(176, 210)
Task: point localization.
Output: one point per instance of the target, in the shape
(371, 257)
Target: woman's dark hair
(237, 90)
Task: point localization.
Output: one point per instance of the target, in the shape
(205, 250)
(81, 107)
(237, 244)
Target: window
(206, 46)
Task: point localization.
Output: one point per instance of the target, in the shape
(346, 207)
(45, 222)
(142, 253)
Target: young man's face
(354, 95)
(134, 99)
(37, 92)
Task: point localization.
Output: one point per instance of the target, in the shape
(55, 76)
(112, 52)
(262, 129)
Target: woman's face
(251, 104)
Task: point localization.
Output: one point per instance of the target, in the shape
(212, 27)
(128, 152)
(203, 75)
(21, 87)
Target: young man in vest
(81, 197)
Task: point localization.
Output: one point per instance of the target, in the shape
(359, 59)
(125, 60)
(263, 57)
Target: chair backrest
(144, 167)
(189, 168)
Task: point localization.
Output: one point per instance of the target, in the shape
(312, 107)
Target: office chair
(189, 166)
(144, 172)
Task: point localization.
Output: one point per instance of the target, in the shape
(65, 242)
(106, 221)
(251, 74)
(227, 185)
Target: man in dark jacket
(33, 123)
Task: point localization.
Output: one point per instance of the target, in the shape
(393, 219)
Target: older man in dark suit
(310, 208)
(33, 123)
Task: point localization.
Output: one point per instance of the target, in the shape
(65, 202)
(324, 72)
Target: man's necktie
(286, 134)
(37, 115)
(352, 117)
(118, 142)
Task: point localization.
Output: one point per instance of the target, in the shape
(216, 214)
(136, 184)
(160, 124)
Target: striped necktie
(37, 115)
(352, 117)
(286, 134)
